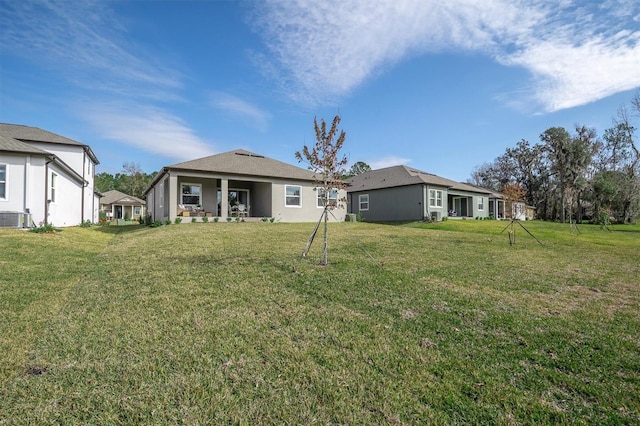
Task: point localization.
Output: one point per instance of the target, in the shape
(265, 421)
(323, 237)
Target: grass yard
(222, 323)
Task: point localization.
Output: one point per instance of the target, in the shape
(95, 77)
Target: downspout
(84, 185)
(46, 192)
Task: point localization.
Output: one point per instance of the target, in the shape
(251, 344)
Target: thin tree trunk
(325, 260)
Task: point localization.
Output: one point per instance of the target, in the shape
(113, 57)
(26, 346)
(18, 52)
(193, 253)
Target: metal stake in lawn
(512, 231)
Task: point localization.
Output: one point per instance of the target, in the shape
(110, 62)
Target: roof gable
(114, 196)
(34, 134)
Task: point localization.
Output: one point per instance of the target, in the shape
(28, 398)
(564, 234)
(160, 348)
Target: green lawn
(410, 324)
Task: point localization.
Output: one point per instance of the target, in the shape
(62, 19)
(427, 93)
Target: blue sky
(439, 86)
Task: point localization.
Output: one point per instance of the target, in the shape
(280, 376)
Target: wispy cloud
(576, 52)
(148, 128)
(391, 160)
(240, 108)
(84, 40)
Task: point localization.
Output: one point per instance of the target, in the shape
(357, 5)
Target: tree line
(131, 181)
(575, 176)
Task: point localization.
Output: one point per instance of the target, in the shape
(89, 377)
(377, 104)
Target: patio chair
(242, 210)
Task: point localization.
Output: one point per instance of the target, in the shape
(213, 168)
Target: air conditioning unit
(435, 216)
(15, 220)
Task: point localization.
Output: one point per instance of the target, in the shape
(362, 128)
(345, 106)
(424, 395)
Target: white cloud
(86, 42)
(148, 128)
(577, 52)
(388, 161)
(241, 108)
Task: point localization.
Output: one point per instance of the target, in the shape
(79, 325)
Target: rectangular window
(53, 187)
(435, 198)
(480, 203)
(363, 201)
(292, 196)
(136, 210)
(3, 181)
(333, 197)
(190, 194)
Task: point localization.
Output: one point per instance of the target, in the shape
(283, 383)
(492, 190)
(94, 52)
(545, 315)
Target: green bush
(215, 219)
(193, 220)
(167, 222)
(228, 219)
(45, 228)
(86, 224)
(178, 220)
(205, 219)
(155, 224)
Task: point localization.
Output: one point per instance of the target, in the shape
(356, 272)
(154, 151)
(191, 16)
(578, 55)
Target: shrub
(178, 220)
(444, 218)
(86, 224)
(167, 222)
(155, 224)
(228, 219)
(215, 219)
(193, 220)
(127, 217)
(265, 219)
(45, 228)
(205, 219)
(272, 219)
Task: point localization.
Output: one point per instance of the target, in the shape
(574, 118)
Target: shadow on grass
(119, 229)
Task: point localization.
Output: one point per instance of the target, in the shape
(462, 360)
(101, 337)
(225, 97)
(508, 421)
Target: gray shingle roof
(34, 134)
(115, 196)
(390, 177)
(241, 162)
(10, 144)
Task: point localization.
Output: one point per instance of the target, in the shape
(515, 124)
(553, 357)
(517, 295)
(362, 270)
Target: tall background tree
(131, 180)
(572, 176)
(325, 160)
(358, 168)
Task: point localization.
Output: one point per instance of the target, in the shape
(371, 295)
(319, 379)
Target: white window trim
(199, 195)
(52, 187)
(480, 203)
(319, 201)
(433, 202)
(299, 206)
(6, 179)
(360, 202)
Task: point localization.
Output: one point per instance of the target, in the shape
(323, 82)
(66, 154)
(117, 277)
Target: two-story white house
(45, 178)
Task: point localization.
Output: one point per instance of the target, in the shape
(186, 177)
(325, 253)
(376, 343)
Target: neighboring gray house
(237, 183)
(45, 178)
(118, 205)
(401, 193)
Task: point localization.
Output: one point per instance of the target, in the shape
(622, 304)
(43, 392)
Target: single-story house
(45, 178)
(118, 205)
(238, 183)
(402, 193)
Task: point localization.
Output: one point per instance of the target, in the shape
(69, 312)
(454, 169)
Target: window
(53, 187)
(190, 194)
(333, 197)
(292, 196)
(136, 210)
(480, 203)
(363, 201)
(435, 198)
(3, 181)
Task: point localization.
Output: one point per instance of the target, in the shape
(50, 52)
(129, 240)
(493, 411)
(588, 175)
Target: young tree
(326, 162)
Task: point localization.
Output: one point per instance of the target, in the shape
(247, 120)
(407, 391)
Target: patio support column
(173, 197)
(224, 195)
